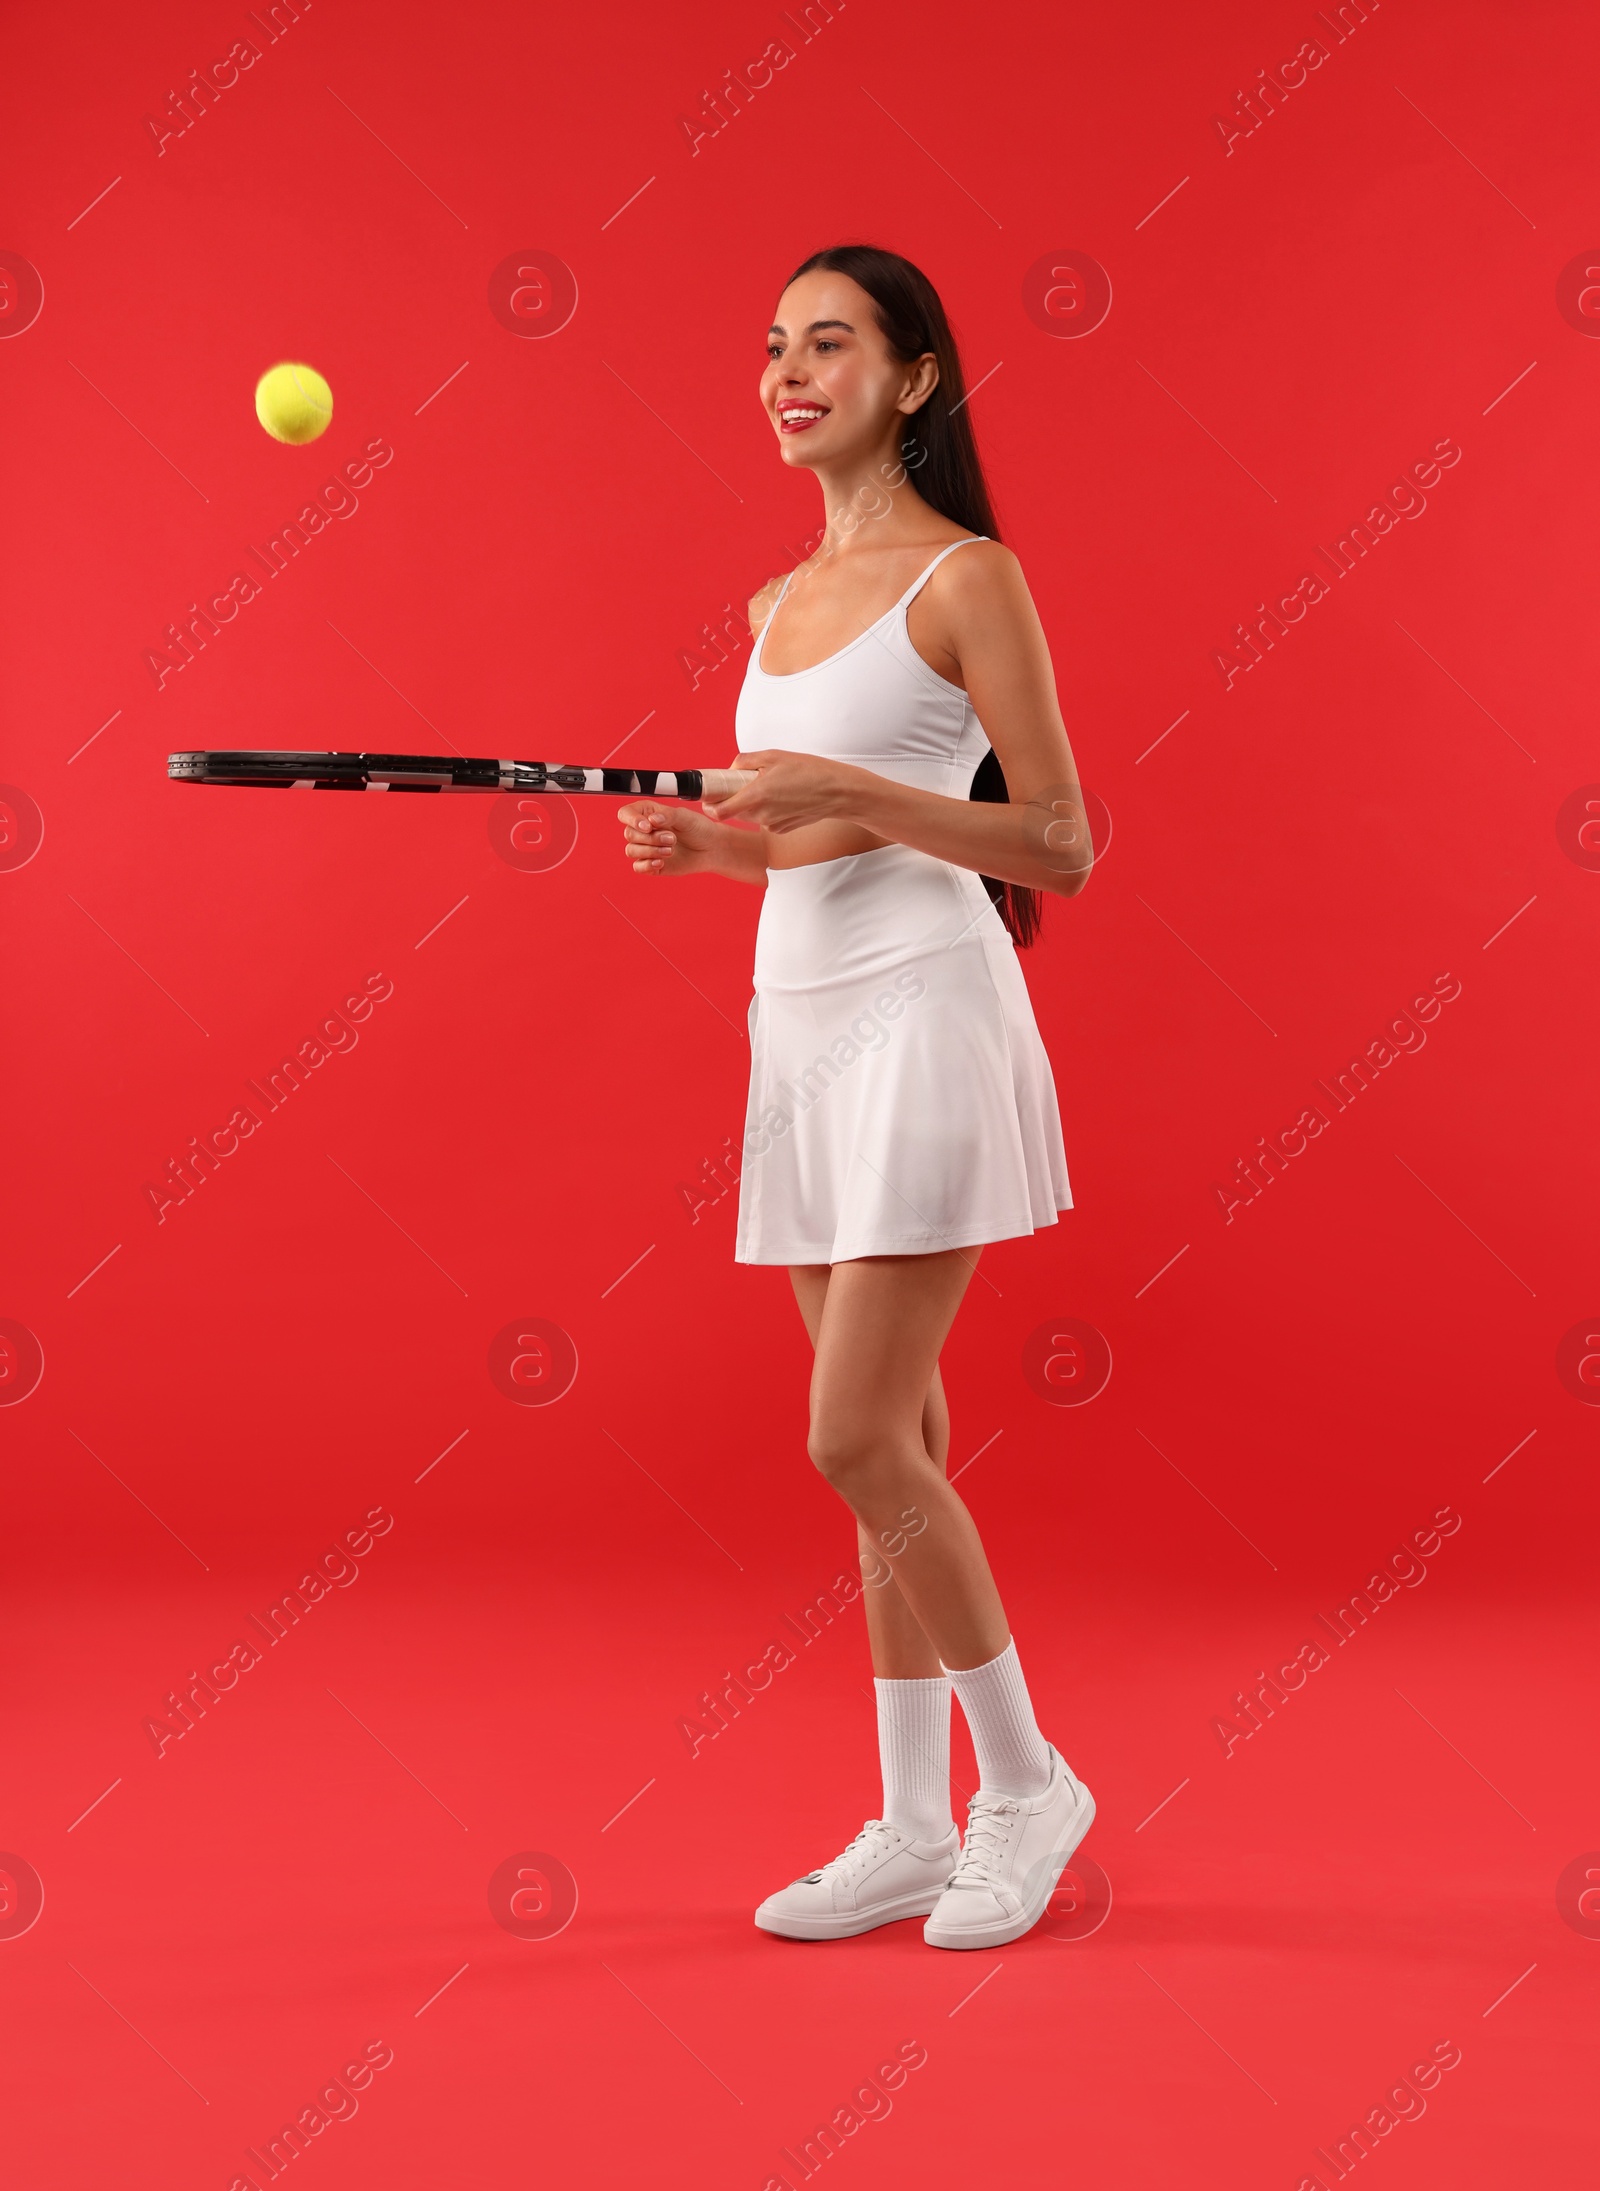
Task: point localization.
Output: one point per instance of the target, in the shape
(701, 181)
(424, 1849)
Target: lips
(794, 418)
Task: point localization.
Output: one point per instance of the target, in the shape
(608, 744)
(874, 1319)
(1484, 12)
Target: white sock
(914, 1745)
(1013, 1757)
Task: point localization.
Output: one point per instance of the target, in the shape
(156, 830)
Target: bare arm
(989, 629)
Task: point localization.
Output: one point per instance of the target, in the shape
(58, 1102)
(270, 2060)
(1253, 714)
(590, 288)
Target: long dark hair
(938, 446)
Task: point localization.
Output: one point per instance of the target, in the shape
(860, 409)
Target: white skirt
(901, 1100)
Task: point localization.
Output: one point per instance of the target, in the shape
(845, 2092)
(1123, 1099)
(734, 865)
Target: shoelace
(874, 1838)
(989, 1822)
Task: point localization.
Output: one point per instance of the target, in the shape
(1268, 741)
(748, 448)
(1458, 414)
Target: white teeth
(802, 414)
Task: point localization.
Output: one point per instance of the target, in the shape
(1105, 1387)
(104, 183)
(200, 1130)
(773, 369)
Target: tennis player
(914, 799)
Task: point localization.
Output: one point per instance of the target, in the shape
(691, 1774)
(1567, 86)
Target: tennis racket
(425, 772)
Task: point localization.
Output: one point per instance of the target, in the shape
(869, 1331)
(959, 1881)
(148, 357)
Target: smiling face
(833, 389)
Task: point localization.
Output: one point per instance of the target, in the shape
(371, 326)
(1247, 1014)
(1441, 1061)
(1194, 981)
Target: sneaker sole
(848, 1923)
(1012, 1928)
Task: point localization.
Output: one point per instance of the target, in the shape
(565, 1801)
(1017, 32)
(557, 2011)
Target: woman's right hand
(669, 840)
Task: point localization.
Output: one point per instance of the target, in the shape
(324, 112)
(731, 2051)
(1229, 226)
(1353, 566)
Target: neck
(869, 500)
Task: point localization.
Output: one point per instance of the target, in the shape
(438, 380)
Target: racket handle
(722, 783)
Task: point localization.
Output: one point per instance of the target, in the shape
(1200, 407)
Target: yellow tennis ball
(294, 403)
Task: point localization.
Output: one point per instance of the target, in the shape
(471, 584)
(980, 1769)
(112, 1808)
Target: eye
(826, 342)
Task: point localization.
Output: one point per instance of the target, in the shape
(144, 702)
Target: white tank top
(874, 703)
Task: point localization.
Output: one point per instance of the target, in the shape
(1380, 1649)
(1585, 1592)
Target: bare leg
(900, 1650)
(880, 1435)
(881, 1325)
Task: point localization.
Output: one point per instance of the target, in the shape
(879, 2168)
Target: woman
(901, 1108)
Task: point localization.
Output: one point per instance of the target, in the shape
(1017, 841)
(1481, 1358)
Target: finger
(735, 802)
(744, 764)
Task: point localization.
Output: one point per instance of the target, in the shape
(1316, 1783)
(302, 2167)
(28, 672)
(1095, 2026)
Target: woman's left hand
(791, 789)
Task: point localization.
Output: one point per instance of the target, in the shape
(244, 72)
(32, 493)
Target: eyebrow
(815, 327)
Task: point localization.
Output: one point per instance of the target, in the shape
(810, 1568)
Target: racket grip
(722, 783)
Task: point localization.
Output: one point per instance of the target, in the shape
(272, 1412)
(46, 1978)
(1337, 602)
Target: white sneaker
(1015, 1850)
(883, 1875)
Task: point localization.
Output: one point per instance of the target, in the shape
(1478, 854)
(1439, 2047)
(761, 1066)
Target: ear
(922, 381)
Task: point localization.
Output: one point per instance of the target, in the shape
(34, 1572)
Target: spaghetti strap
(922, 578)
(771, 613)
(899, 609)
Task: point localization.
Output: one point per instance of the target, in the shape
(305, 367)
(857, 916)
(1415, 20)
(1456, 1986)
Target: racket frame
(287, 769)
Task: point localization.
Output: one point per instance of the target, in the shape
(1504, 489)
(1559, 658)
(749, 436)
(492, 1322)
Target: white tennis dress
(900, 1096)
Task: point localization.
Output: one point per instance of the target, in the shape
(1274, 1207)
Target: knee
(843, 1454)
(869, 1464)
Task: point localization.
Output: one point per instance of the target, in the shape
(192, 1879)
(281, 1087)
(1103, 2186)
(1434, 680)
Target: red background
(1367, 808)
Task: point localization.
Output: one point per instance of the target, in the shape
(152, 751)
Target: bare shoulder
(984, 576)
(762, 603)
(980, 597)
